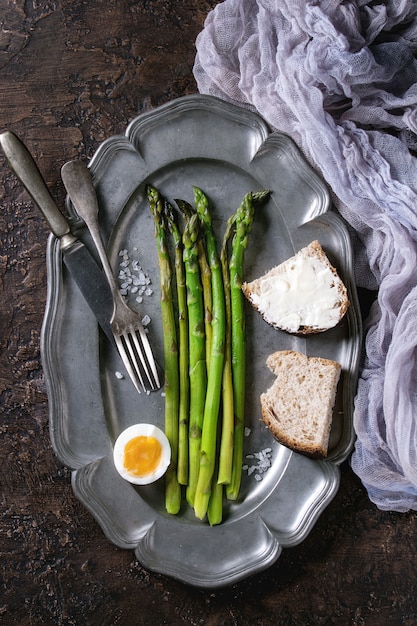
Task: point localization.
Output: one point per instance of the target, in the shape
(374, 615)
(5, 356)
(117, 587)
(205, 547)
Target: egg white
(142, 430)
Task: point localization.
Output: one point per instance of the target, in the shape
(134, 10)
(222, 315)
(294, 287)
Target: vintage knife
(77, 258)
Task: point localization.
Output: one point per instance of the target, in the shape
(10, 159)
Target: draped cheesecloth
(340, 77)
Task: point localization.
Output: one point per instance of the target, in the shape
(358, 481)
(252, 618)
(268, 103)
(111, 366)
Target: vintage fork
(129, 333)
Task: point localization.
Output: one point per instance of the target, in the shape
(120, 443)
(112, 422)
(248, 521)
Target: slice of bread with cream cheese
(302, 295)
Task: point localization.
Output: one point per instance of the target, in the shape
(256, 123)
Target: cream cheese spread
(302, 291)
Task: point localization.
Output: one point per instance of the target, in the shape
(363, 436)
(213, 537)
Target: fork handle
(78, 182)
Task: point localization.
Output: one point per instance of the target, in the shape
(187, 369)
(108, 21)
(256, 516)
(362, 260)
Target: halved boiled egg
(142, 454)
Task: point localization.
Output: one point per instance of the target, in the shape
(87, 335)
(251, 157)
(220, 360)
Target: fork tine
(149, 354)
(136, 355)
(129, 362)
(134, 347)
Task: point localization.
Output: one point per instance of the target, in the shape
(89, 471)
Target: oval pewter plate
(227, 151)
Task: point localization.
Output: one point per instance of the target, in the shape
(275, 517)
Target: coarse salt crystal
(262, 464)
(133, 279)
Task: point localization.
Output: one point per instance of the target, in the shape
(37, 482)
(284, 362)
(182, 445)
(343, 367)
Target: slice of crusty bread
(302, 295)
(298, 407)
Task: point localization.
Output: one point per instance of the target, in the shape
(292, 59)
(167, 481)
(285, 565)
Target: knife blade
(77, 258)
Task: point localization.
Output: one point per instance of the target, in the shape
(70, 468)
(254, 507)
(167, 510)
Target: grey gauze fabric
(341, 79)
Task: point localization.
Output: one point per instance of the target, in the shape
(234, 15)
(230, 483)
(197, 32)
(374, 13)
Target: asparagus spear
(173, 489)
(197, 355)
(214, 382)
(227, 431)
(188, 210)
(227, 436)
(242, 223)
(182, 466)
(215, 505)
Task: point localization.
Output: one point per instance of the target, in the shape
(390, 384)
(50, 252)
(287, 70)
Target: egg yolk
(142, 455)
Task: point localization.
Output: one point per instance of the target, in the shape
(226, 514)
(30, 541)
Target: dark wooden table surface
(72, 73)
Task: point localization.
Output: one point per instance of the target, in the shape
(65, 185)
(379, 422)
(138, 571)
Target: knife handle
(21, 162)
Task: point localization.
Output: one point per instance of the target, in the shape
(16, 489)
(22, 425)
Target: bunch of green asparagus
(203, 318)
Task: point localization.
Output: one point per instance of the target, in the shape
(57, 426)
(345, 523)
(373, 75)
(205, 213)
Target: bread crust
(294, 398)
(313, 250)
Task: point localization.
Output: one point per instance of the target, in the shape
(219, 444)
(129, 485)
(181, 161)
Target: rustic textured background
(73, 72)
